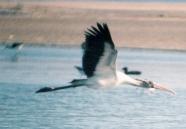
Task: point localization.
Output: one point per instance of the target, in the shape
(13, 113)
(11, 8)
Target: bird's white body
(103, 82)
(108, 81)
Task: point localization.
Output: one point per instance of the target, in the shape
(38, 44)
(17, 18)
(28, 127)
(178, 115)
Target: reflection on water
(122, 107)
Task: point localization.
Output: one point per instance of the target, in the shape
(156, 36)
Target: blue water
(125, 107)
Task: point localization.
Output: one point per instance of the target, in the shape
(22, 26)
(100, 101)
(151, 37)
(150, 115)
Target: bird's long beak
(154, 85)
(163, 88)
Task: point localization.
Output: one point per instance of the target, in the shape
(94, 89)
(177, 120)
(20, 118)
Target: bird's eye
(150, 83)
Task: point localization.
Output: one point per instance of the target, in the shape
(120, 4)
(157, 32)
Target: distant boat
(125, 69)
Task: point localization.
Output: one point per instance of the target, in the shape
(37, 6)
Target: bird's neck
(125, 79)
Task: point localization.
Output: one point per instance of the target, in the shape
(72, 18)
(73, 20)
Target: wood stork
(99, 64)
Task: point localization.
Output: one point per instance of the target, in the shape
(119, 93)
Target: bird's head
(150, 84)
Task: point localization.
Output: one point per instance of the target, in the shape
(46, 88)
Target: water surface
(85, 108)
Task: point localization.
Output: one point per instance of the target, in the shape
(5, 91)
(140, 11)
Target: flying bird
(99, 64)
(15, 45)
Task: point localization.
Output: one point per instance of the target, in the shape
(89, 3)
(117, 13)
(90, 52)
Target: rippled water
(124, 107)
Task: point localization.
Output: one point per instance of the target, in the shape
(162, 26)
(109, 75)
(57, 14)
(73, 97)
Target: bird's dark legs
(49, 89)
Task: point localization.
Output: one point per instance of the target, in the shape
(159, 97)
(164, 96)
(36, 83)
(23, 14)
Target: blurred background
(137, 23)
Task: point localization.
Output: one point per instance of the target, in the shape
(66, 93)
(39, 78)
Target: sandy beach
(140, 25)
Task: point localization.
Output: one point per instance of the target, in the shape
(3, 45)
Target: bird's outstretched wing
(99, 51)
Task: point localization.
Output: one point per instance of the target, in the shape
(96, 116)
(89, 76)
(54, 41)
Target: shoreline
(65, 45)
(158, 26)
(105, 5)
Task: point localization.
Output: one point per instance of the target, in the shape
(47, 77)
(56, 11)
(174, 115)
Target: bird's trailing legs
(74, 83)
(49, 89)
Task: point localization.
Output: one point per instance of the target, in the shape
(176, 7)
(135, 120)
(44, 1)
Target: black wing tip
(101, 28)
(100, 32)
(102, 25)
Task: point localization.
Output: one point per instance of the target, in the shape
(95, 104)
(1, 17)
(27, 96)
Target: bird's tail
(74, 83)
